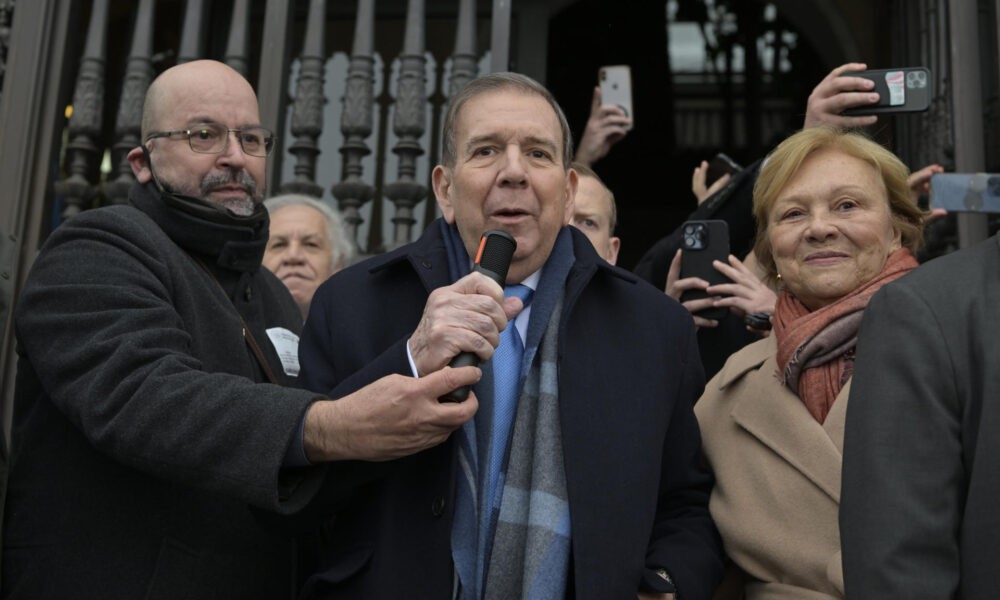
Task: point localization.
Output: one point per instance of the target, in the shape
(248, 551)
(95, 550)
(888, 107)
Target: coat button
(248, 295)
(437, 506)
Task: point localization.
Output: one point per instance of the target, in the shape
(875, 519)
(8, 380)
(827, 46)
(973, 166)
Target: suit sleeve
(685, 541)
(98, 323)
(322, 361)
(903, 478)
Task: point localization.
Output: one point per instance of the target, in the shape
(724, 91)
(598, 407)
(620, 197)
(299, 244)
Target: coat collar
(427, 257)
(774, 415)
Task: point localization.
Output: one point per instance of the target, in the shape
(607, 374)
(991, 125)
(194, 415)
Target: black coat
(141, 429)
(734, 205)
(628, 378)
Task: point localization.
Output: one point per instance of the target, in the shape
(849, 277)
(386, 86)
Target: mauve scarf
(815, 349)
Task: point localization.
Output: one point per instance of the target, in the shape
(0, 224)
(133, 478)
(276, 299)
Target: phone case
(720, 165)
(616, 87)
(966, 192)
(697, 257)
(899, 90)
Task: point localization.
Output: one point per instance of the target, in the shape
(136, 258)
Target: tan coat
(777, 472)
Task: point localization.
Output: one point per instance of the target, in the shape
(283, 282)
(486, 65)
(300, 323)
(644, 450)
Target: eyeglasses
(213, 138)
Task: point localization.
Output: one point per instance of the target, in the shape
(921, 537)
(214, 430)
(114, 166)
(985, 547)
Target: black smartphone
(720, 165)
(966, 192)
(900, 90)
(701, 243)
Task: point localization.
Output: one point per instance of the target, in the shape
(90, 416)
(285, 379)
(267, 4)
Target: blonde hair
(782, 164)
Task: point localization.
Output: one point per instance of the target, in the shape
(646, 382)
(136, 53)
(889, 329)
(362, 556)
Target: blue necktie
(506, 377)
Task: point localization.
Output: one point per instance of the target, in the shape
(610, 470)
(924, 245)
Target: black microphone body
(496, 249)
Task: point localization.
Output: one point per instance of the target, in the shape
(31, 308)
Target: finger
(718, 184)
(595, 105)
(674, 271)
(452, 415)
(689, 283)
(612, 111)
(478, 283)
(737, 302)
(698, 178)
(843, 85)
(703, 322)
(853, 66)
(443, 381)
(700, 304)
(730, 290)
(934, 215)
(512, 307)
(840, 102)
(734, 271)
(924, 175)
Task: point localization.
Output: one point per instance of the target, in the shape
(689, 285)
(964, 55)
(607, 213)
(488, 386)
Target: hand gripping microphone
(496, 249)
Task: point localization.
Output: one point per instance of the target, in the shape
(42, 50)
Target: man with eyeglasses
(153, 404)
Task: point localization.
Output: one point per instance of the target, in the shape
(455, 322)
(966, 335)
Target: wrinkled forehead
(479, 108)
(205, 97)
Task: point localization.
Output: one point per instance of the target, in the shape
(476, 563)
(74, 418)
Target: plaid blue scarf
(528, 538)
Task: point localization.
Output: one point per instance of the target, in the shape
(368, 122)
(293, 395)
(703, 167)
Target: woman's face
(830, 228)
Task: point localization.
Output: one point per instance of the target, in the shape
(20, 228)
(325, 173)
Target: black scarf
(231, 241)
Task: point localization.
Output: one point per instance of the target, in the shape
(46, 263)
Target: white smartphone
(616, 88)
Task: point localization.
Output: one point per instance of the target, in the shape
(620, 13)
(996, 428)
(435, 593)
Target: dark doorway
(707, 76)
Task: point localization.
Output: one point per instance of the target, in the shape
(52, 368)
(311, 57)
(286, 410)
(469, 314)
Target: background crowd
(175, 437)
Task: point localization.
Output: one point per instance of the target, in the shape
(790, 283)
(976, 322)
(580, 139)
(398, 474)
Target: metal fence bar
(128, 125)
(86, 121)
(356, 121)
(307, 111)
(237, 46)
(409, 123)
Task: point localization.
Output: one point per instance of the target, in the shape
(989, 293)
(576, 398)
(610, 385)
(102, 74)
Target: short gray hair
(499, 82)
(341, 248)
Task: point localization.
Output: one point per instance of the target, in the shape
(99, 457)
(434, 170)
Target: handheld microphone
(496, 249)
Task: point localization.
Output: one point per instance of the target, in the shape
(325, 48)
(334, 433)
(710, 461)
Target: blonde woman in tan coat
(836, 221)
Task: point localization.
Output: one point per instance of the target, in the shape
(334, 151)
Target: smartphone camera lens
(993, 185)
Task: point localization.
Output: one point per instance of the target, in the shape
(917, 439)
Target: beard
(243, 207)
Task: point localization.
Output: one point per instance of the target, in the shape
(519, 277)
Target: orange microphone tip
(482, 244)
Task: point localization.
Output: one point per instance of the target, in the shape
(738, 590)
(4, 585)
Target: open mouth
(507, 214)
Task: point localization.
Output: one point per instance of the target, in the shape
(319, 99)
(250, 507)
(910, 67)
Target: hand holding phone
(704, 242)
(900, 90)
(720, 165)
(616, 89)
(966, 192)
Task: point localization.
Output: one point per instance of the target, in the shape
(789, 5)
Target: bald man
(150, 405)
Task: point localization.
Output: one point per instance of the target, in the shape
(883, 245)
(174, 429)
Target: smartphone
(900, 90)
(719, 166)
(616, 88)
(966, 192)
(701, 243)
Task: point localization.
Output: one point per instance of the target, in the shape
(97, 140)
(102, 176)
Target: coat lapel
(774, 415)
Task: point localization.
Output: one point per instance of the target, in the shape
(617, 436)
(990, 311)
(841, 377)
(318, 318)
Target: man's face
(508, 175)
(592, 216)
(206, 92)
(298, 251)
